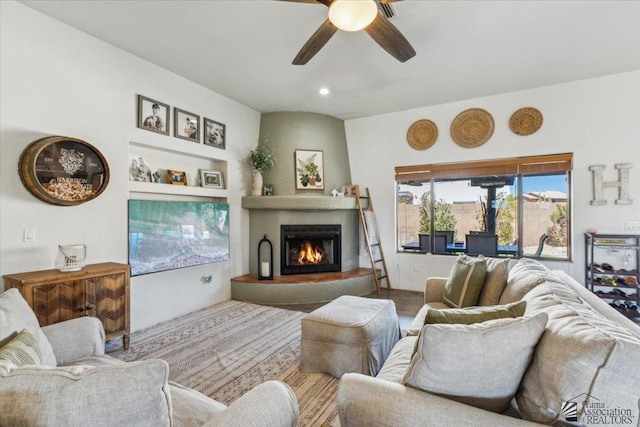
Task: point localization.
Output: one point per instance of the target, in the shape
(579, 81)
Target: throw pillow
(523, 277)
(124, 394)
(22, 350)
(480, 364)
(579, 350)
(465, 281)
(468, 316)
(494, 281)
(16, 315)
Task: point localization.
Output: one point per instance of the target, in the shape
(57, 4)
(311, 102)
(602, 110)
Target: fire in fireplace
(310, 248)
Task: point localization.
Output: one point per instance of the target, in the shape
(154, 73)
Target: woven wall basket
(422, 134)
(472, 128)
(525, 121)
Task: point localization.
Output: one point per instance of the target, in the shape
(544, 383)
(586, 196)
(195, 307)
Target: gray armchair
(87, 387)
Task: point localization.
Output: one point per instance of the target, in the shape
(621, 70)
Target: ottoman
(349, 334)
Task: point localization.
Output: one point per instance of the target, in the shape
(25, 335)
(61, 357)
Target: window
(505, 207)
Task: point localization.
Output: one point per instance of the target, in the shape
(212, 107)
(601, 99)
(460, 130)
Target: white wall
(598, 120)
(56, 80)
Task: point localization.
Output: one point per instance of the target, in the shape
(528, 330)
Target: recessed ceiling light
(324, 91)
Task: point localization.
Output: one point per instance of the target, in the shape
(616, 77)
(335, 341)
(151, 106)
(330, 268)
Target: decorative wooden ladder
(372, 238)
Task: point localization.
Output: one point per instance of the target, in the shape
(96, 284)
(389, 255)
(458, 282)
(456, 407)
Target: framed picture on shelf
(211, 179)
(153, 115)
(309, 169)
(214, 133)
(176, 177)
(139, 169)
(267, 190)
(186, 125)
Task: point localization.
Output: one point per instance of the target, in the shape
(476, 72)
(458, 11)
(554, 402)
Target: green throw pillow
(471, 315)
(467, 316)
(465, 281)
(22, 350)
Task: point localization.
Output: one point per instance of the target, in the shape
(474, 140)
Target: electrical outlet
(416, 267)
(632, 225)
(29, 235)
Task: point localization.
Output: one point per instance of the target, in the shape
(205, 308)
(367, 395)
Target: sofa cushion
(465, 281)
(525, 275)
(16, 315)
(470, 315)
(418, 321)
(494, 281)
(480, 364)
(134, 393)
(396, 365)
(582, 357)
(22, 350)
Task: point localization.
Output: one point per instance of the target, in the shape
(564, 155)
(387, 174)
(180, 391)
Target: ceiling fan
(354, 15)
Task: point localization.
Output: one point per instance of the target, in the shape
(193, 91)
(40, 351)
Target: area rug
(227, 349)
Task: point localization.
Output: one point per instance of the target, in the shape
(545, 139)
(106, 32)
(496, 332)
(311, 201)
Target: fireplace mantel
(312, 203)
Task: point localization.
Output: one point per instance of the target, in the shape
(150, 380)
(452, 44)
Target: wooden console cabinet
(98, 290)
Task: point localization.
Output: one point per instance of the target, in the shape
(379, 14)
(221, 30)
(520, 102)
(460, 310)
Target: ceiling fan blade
(324, 2)
(315, 43)
(390, 39)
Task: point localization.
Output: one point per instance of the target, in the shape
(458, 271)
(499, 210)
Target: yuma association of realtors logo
(595, 412)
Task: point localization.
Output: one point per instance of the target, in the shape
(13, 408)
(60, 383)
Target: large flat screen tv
(168, 235)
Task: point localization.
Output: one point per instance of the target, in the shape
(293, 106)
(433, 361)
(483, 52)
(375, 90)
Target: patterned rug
(227, 349)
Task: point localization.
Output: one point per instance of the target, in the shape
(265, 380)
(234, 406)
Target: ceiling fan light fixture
(352, 15)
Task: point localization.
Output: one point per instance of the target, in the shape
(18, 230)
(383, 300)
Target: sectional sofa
(581, 370)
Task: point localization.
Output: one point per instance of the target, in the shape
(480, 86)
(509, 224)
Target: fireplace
(310, 248)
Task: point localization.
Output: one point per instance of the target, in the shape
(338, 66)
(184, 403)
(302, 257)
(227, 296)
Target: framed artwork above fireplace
(309, 169)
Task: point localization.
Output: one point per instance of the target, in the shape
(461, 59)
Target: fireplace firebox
(310, 248)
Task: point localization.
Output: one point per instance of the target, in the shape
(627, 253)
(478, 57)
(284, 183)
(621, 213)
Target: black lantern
(265, 265)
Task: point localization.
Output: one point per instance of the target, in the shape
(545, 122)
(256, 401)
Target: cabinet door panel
(57, 302)
(107, 296)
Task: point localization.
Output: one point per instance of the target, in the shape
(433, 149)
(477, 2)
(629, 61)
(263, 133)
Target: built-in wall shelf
(179, 155)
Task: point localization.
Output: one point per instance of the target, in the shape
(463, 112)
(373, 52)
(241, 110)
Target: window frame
(518, 167)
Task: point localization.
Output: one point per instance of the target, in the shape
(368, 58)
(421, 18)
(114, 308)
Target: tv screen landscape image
(167, 235)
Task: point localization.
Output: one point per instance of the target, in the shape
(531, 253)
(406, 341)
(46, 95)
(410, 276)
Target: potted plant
(261, 158)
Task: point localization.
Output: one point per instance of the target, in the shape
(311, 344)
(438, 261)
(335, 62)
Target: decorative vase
(257, 183)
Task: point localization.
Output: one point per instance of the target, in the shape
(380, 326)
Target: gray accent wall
(287, 131)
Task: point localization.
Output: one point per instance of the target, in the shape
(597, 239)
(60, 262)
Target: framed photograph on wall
(186, 125)
(214, 133)
(309, 169)
(153, 115)
(211, 179)
(176, 177)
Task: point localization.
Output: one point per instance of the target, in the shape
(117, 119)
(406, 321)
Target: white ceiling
(465, 49)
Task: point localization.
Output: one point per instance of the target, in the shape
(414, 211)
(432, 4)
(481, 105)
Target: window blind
(531, 165)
